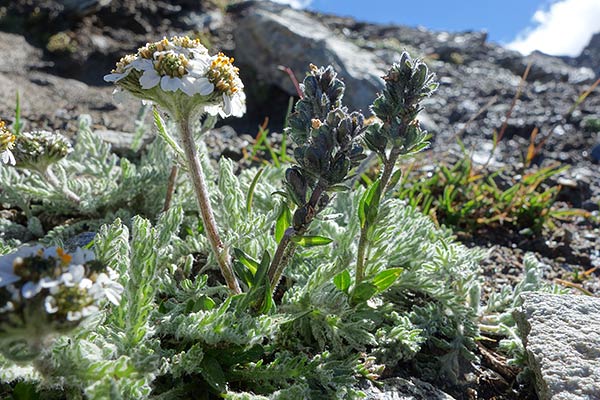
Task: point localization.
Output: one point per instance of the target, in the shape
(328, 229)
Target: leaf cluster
(107, 184)
(467, 197)
(178, 333)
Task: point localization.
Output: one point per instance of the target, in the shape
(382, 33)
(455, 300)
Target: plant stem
(360, 257)
(286, 247)
(53, 180)
(363, 241)
(208, 218)
(388, 168)
(285, 250)
(171, 187)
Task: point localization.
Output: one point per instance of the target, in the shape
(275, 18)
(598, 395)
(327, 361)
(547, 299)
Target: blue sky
(561, 27)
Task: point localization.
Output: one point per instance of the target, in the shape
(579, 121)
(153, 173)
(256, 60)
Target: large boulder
(268, 35)
(590, 56)
(562, 340)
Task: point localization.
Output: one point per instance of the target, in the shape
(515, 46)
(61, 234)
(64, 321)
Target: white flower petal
(8, 157)
(8, 307)
(50, 252)
(141, 64)
(113, 297)
(86, 284)
(169, 84)
(198, 66)
(200, 55)
(7, 261)
(226, 105)
(115, 77)
(204, 87)
(78, 272)
(8, 278)
(50, 305)
(238, 105)
(89, 310)
(149, 79)
(81, 256)
(187, 83)
(74, 316)
(30, 289)
(192, 86)
(67, 279)
(47, 282)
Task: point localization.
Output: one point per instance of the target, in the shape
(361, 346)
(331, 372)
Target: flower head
(44, 291)
(38, 149)
(7, 140)
(179, 75)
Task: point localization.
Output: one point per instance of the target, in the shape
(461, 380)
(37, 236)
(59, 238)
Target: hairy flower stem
(363, 241)
(286, 247)
(171, 187)
(53, 180)
(283, 254)
(208, 218)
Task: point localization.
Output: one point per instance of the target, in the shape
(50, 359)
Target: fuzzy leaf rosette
(7, 142)
(179, 75)
(47, 291)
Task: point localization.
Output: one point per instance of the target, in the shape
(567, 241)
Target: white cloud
(564, 28)
(295, 3)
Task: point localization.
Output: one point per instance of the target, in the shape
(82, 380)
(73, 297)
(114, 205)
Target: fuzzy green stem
(286, 247)
(283, 254)
(208, 218)
(53, 180)
(171, 187)
(388, 169)
(363, 241)
(360, 260)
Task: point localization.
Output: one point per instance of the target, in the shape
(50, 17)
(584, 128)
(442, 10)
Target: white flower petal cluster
(39, 149)
(181, 65)
(53, 285)
(7, 140)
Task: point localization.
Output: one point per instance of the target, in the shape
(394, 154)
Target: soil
(57, 86)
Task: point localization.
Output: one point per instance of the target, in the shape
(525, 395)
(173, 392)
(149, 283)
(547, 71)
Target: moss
(591, 124)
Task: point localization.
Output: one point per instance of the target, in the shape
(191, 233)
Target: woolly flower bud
(38, 149)
(7, 140)
(179, 75)
(45, 291)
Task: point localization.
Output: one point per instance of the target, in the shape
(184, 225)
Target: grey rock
(80, 240)
(561, 335)
(546, 68)
(212, 20)
(405, 389)
(81, 8)
(590, 56)
(268, 35)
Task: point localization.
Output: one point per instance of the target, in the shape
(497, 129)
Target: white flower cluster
(7, 140)
(39, 149)
(182, 65)
(52, 285)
